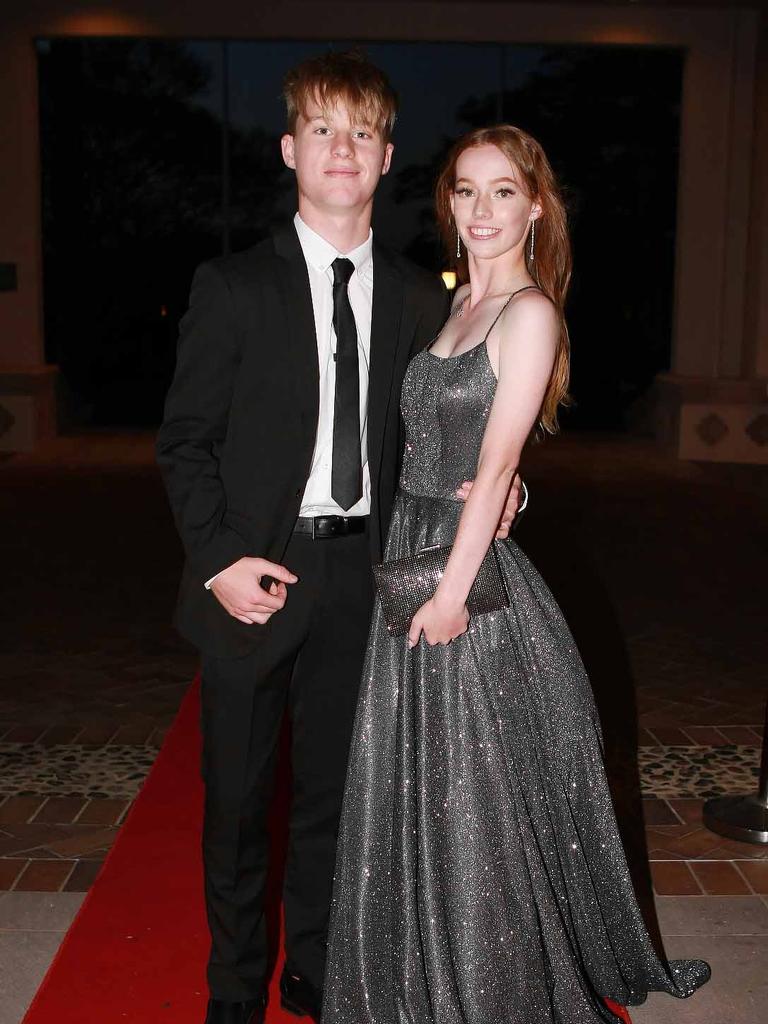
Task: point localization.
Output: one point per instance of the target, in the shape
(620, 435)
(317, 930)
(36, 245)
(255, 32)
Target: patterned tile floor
(659, 566)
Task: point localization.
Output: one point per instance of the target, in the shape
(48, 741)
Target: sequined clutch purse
(405, 584)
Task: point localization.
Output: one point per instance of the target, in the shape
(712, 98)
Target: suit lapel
(386, 317)
(293, 286)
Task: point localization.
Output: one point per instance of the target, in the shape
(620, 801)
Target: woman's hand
(439, 621)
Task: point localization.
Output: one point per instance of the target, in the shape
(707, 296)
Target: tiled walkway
(660, 567)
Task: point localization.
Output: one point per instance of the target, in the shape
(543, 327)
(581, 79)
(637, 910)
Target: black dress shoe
(250, 1012)
(299, 997)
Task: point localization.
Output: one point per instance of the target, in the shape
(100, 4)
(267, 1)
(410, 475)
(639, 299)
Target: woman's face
(491, 208)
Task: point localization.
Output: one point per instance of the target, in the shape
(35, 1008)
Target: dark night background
(157, 155)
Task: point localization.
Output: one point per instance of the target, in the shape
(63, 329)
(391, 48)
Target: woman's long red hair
(551, 265)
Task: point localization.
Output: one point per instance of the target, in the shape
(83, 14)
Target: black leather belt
(322, 527)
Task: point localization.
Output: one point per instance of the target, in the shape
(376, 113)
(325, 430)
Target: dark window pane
(434, 82)
(159, 154)
(262, 187)
(131, 153)
(609, 119)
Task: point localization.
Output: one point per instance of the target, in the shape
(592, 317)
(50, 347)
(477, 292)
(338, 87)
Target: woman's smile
(485, 232)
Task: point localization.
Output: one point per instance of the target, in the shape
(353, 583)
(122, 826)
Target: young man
(280, 451)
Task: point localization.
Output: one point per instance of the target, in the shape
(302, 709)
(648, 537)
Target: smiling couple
(327, 413)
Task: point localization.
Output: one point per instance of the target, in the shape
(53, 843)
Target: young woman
(480, 876)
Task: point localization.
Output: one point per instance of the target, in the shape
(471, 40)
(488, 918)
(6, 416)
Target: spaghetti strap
(429, 347)
(525, 288)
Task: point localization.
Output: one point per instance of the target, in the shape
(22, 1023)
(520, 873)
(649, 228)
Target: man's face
(338, 161)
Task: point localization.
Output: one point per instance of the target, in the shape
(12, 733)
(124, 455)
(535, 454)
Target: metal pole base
(738, 817)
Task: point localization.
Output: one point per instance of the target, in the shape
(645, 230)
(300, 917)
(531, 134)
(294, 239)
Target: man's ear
(287, 147)
(389, 149)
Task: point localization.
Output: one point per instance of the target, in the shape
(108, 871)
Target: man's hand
(238, 589)
(510, 510)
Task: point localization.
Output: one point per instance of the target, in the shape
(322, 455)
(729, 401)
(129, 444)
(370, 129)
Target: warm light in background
(449, 279)
(102, 23)
(621, 35)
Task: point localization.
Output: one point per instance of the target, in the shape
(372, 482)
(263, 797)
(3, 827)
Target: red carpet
(136, 952)
(620, 1012)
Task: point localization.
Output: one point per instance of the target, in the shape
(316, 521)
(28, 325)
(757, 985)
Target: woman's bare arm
(527, 341)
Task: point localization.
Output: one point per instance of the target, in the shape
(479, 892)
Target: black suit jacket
(241, 416)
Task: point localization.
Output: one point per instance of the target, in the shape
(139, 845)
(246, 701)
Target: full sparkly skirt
(480, 876)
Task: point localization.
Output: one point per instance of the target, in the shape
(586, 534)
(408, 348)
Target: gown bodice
(445, 403)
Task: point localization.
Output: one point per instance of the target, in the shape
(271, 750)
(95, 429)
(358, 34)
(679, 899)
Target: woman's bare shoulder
(461, 293)
(530, 314)
(531, 306)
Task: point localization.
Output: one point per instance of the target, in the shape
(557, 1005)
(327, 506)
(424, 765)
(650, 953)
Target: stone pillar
(27, 384)
(713, 405)
(756, 318)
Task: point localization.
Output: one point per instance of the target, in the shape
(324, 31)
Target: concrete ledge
(712, 419)
(27, 406)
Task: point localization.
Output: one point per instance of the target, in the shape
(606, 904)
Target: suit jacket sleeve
(195, 425)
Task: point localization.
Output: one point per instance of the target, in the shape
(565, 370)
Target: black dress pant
(308, 664)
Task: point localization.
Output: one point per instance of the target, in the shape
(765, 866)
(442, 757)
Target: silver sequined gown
(480, 876)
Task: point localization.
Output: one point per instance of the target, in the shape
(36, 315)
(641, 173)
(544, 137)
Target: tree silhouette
(132, 201)
(608, 118)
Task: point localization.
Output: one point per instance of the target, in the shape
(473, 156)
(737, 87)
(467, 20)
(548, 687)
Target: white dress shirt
(319, 255)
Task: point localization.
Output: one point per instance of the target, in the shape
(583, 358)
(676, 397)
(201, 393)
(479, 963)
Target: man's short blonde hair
(347, 77)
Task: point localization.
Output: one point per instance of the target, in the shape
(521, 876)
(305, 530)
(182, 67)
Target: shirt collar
(320, 253)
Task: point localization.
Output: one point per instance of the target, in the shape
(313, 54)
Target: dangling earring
(533, 236)
(458, 245)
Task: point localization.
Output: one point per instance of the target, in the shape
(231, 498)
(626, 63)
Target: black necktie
(347, 469)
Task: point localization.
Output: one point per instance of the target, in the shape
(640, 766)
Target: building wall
(721, 302)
